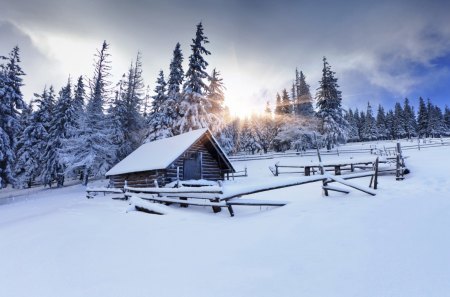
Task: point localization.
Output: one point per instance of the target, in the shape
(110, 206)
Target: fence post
(276, 169)
(418, 143)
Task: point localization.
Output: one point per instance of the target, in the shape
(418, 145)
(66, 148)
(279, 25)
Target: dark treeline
(92, 123)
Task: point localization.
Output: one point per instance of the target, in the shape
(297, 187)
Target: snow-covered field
(397, 243)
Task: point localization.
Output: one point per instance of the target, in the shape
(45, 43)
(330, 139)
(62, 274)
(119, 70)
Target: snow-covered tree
(92, 149)
(278, 105)
(62, 123)
(174, 84)
(436, 125)
(117, 114)
(248, 142)
(409, 119)
(26, 165)
(194, 105)
(370, 131)
(447, 120)
(398, 124)
(422, 119)
(265, 129)
(216, 100)
(286, 107)
(34, 138)
(304, 99)
(11, 102)
(332, 123)
(383, 132)
(353, 134)
(160, 122)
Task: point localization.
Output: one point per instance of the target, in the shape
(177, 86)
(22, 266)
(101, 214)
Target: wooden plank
(352, 185)
(183, 190)
(255, 202)
(264, 188)
(178, 201)
(336, 189)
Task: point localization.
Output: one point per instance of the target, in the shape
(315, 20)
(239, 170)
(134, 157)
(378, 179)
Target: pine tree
(398, 122)
(117, 114)
(447, 120)
(353, 134)
(62, 123)
(381, 123)
(11, 101)
(409, 119)
(390, 124)
(422, 119)
(92, 150)
(436, 124)
(247, 137)
(370, 131)
(174, 84)
(304, 98)
(286, 108)
(332, 123)
(216, 100)
(160, 124)
(34, 138)
(194, 105)
(26, 157)
(293, 99)
(134, 123)
(278, 105)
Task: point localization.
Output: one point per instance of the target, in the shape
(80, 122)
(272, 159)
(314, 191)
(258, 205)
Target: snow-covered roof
(160, 154)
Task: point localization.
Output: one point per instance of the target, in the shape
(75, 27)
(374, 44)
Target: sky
(382, 51)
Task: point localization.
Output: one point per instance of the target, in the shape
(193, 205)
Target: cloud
(40, 69)
(380, 50)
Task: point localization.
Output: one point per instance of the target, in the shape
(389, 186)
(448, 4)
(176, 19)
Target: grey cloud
(379, 40)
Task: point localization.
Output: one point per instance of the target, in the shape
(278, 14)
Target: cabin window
(192, 166)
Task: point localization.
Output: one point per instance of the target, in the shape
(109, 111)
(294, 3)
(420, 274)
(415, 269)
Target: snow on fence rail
(380, 150)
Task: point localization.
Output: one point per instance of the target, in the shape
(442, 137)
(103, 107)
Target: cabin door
(192, 166)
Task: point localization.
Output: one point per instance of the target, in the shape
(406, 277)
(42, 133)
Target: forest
(92, 123)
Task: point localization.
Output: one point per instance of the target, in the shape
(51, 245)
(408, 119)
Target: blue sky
(382, 51)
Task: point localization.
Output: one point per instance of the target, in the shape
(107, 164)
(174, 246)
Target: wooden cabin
(194, 155)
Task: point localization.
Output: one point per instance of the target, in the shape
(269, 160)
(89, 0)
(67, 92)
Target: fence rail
(375, 149)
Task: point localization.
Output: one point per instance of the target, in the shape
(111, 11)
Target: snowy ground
(394, 244)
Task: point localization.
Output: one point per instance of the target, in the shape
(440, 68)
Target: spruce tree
(390, 124)
(353, 134)
(398, 124)
(410, 124)
(62, 122)
(286, 107)
(174, 84)
(34, 138)
(194, 105)
(278, 105)
(216, 100)
(304, 98)
(23, 158)
(11, 102)
(92, 150)
(447, 120)
(370, 131)
(160, 123)
(422, 119)
(381, 123)
(332, 123)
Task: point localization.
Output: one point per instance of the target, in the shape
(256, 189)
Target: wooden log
(337, 170)
(352, 185)
(337, 189)
(307, 171)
